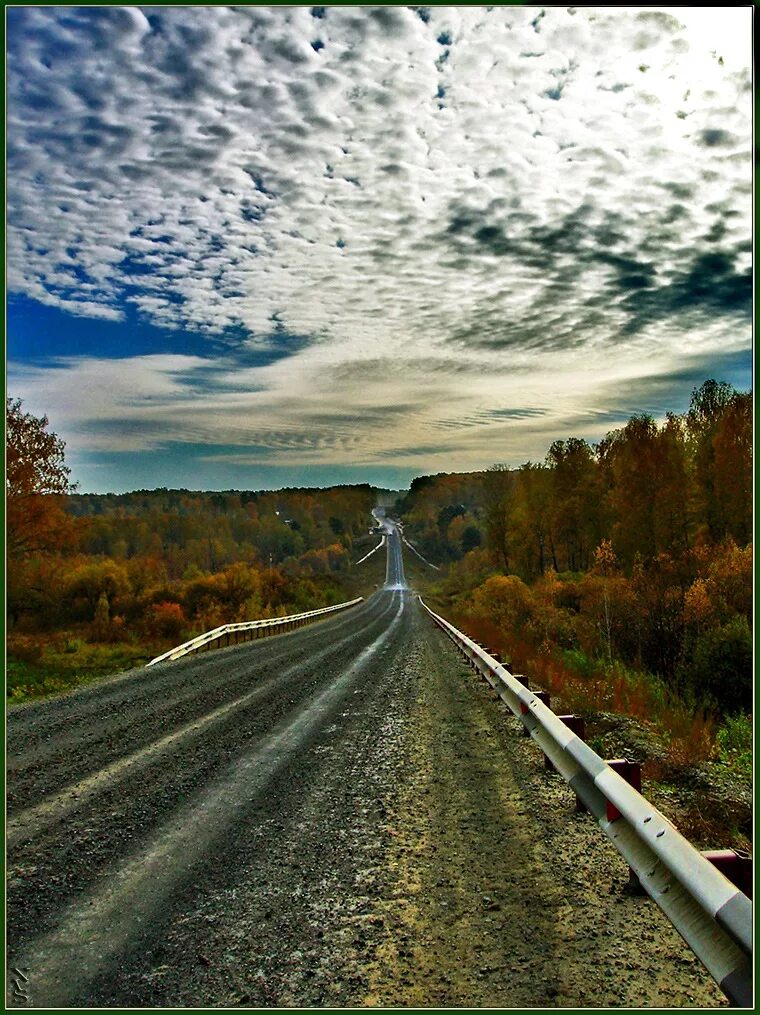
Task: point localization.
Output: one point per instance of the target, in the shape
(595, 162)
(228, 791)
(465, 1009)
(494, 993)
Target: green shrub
(721, 666)
(734, 741)
(579, 663)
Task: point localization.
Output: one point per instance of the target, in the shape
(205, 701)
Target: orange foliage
(165, 620)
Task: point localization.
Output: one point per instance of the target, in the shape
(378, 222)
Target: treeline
(166, 561)
(97, 582)
(208, 531)
(636, 549)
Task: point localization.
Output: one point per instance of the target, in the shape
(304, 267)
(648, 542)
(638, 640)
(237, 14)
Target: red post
(575, 723)
(631, 772)
(735, 864)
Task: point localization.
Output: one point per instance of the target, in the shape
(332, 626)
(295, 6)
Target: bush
(25, 650)
(505, 600)
(721, 666)
(165, 620)
(734, 741)
(579, 663)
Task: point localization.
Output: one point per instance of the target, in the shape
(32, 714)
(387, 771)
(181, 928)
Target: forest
(620, 572)
(98, 582)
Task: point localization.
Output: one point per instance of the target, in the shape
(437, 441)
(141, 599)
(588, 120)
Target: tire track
(49, 865)
(53, 807)
(129, 897)
(40, 761)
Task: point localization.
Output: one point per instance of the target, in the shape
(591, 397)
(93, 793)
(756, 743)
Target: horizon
(346, 242)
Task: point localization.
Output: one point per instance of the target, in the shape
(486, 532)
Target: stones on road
(410, 850)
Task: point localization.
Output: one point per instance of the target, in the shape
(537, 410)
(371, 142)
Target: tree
(88, 582)
(36, 475)
(470, 538)
(732, 463)
(497, 498)
(576, 521)
(708, 404)
(648, 482)
(531, 517)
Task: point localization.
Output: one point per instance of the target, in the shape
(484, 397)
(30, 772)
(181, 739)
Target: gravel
(366, 827)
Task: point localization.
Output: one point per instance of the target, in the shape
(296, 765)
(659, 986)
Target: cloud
(430, 209)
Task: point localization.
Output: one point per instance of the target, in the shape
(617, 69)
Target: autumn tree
(647, 471)
(576, 501)
(674, 485)
(732, 465)
(708, 404)
(36, 476)
(89, 583)
(498, 488)
(531, 516)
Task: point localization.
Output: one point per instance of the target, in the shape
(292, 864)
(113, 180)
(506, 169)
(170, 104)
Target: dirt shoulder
(496, 892)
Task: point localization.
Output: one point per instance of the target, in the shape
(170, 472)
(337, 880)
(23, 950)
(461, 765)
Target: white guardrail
(256, 627)
(708, 911)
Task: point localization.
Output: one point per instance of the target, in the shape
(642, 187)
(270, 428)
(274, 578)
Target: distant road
(334, 816)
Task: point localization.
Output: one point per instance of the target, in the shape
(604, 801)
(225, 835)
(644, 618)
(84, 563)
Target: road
(336, 816)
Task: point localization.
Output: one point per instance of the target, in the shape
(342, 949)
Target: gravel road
(339, 816)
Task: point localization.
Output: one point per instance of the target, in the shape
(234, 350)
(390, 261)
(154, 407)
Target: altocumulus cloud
(412, 228)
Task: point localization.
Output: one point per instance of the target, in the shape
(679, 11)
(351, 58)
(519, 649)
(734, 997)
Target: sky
(257, 247)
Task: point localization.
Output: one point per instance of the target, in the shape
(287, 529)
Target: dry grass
(690, 733)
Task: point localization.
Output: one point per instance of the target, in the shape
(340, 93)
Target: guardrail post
(577, 725)
(523, 679)
(631, 772)
(735, 864)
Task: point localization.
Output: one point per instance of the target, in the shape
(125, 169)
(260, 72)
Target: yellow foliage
(504, 599)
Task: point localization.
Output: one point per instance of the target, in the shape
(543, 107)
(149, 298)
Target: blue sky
(255, 247)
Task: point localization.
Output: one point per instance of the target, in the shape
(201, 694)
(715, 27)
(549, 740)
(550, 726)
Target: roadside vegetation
(617, 575)
(99, 583)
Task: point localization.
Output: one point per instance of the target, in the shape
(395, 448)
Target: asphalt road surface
(341, 815)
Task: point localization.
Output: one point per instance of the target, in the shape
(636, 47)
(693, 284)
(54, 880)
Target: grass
(734, 742)
(593, 685)
(38, 670)
(41, 665)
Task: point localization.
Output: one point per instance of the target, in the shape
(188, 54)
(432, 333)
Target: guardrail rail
(710, 913)
(256, 628)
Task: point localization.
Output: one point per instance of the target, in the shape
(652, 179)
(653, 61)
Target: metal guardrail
(417, 552)
(258, 626)
(708, 911)
(374, 549)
